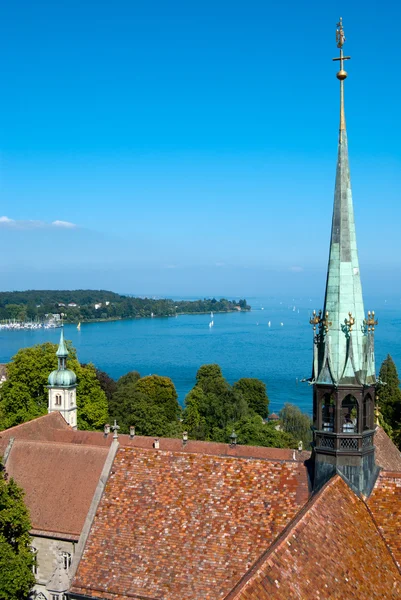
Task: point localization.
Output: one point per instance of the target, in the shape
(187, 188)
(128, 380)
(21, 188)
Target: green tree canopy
(212, 404)
(16, 557)
(297, 424)
(389, 392)
(254, 392)
(107, 383)
(150, 404)
(24, 395)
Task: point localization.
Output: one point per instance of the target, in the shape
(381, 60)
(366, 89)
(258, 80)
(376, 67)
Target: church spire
(62, 351)
(345, 355)
(343, 359)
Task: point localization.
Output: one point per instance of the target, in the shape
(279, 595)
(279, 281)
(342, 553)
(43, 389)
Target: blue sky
(193, 145)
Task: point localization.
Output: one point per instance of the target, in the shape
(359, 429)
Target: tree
(107, 383)
(389, 393)
(296, 423)
(161, 391)
(24, 395)
(254, 431)
(150, 404)
(254, 392)
(212, 405)
(208, 372)
(16, 557)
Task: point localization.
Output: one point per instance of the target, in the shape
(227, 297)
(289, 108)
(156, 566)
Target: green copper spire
(62, 351)
(62, 377)
(344, 353)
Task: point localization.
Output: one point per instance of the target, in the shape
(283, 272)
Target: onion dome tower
(62, 385)
(343, 373)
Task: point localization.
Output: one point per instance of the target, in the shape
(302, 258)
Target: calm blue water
(241, 343)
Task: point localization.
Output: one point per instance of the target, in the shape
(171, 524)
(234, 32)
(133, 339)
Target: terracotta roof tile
(388, 456)
(42, 428)
(385, 504)
(332, 550)
(52, 427)
(59, 481)
(178, 524)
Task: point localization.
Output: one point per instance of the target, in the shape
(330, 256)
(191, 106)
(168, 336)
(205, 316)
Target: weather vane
(340, 39)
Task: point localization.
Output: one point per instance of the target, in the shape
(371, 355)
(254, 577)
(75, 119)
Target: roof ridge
(47, 415)
(283, 535)
(60, 443)
(235, 457)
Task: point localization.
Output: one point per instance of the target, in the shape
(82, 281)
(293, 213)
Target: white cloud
(296, 269)
(66, 224)
(31, 224)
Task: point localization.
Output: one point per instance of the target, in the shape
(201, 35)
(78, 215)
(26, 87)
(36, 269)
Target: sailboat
(79, 326)
(211, 315)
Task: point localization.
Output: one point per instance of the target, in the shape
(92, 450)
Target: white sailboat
(269, 323)
(79, 326)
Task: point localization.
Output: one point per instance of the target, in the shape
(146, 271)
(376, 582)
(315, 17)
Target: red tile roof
(42, 428)
(385, 504)
(52, 427)
(183, 525)
(388, 456)
(59, 481)
(332, 550)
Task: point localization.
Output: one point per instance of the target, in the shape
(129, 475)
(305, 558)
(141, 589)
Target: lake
(241, 343)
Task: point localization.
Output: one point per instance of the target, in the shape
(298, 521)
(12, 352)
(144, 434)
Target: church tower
(62, 385)
(343, 373)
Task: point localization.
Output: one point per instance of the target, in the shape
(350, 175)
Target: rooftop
(177, 524)
(333, 549)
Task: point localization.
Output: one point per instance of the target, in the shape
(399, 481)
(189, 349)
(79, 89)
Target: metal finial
(325, 322)
(115, 429)
(350, 322)
(342, 74)
(315, 319)
(371, 322)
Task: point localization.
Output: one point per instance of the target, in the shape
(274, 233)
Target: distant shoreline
(136, 318)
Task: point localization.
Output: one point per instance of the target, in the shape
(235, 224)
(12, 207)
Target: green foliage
(213, 409)
(24, 395)
(297, 424)
(389, 392)
(107, 383)
(150, 404)
(35, 304)
(16, 557)
(208, 372)
(254, 431)
(212, 404)
(254, 392)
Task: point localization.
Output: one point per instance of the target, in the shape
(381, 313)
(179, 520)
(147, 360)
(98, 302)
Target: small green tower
(62, 385)
(343, 372)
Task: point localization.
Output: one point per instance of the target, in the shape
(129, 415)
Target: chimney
(156, 444)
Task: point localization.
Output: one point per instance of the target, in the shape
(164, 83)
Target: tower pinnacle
(343, 359)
